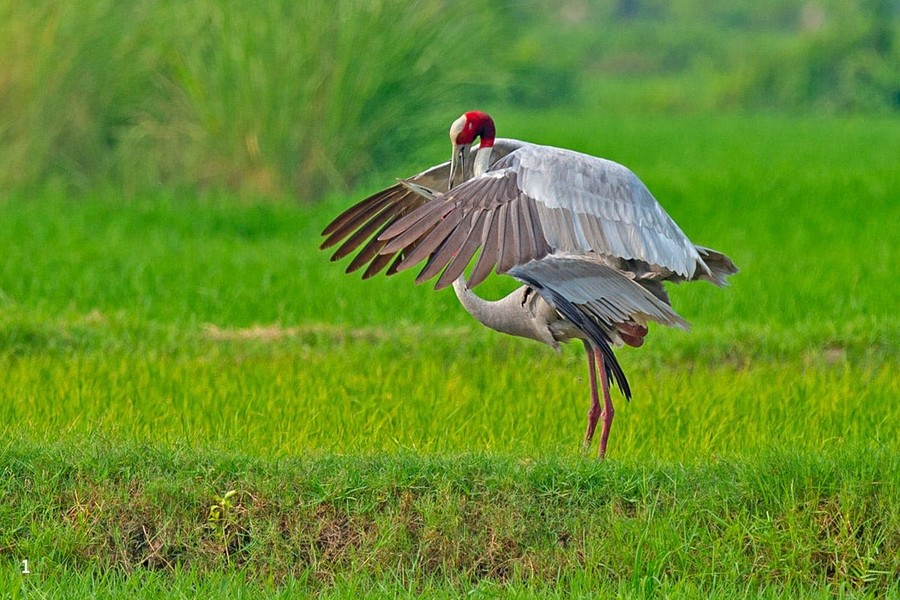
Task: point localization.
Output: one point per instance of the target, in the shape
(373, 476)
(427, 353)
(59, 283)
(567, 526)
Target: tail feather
(720, 266)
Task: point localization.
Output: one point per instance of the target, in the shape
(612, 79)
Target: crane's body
(584, 235)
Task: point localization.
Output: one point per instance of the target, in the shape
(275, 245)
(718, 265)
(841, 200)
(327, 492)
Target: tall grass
(281, 97)
(298, 98)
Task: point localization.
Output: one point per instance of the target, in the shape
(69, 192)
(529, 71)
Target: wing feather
(363, 233)
(377, 265)
(434, 238)
(489, 250)
(508, 238)
(368, 252)
(528, 245)
(447, 249)
(466, 252)
(357, 215)
(351, 218)
(411, 227)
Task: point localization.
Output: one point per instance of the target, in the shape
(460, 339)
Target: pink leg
(594, 411)
(606, 416)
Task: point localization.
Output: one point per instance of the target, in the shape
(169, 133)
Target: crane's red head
(471, 125)
(463, 131)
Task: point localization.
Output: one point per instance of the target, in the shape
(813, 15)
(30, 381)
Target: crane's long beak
(458, 163)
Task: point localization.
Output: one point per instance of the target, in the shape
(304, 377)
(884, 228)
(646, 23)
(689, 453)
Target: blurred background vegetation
(298, 99)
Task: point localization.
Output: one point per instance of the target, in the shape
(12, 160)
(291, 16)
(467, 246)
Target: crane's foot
(593, 417)
(606, 418)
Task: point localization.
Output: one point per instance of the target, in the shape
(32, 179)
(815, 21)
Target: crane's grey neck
(520, 313)
(482, 160)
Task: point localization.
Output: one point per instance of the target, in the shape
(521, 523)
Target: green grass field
(159, 352)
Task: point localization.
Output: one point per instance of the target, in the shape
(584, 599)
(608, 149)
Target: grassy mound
(785, 520)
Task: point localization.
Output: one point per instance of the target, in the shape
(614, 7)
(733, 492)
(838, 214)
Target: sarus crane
(585, 237)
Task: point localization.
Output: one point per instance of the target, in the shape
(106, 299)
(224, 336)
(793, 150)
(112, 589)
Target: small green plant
(222, 518)
(220, 512)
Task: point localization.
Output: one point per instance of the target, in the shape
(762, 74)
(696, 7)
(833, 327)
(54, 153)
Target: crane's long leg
(594, 411)
(606, 416)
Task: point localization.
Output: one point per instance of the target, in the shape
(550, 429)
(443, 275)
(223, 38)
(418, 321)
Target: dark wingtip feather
(394, 268)
(377, 265)
(376, 200)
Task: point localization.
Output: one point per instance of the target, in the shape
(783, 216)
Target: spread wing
(536, 201)
(361, 225)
